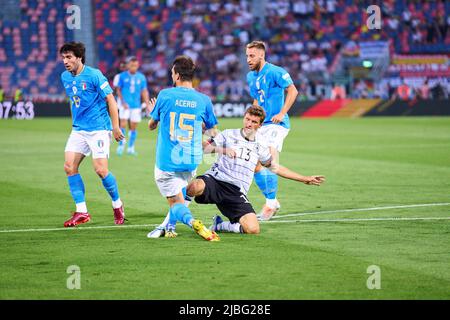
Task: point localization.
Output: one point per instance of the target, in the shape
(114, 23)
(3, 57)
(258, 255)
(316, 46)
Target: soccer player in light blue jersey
(131, 90)
(93, 109)
(182, 112)
(268, 84)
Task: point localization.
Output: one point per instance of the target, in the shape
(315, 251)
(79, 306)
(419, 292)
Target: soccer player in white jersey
(268, 84)
(94, 116)
(227, 182)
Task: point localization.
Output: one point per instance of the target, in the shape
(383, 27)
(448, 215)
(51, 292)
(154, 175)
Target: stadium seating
(29, 56)
(304, 36)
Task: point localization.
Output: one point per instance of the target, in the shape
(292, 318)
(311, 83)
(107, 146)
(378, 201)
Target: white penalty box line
(275, 219)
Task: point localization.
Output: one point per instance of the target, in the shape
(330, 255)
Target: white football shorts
(171, 183)
(134, 115)
(274, 135)
(87, 142)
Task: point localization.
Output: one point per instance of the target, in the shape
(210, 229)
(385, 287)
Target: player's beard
(256, 66)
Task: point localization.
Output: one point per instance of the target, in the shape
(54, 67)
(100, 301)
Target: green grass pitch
(368, 163)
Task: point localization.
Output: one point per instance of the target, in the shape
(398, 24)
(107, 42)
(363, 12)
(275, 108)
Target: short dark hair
(78, 49)
(185, 67)
(257, 44)
(256, 111)
(131, 59)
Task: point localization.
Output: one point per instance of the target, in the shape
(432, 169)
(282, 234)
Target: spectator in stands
(423, 91)
(360, 91)
(439, 92)
(2, 95)
(403, 91)
(338, 92)
(17, 95)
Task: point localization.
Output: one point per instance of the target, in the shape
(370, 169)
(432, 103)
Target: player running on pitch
(93, 109)
(267, 84)
(227, 182)
(131, 90)
(182, 111)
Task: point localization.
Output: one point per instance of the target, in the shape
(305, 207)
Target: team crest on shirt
(83, 85)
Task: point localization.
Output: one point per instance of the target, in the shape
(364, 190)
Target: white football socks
(117, 204)
(81, 207)
(272, 203)
(227, 226)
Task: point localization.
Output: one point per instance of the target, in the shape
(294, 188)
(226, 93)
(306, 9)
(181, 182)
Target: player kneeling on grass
(228, 180)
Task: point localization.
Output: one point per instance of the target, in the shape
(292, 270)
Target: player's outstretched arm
(114, 114)
(284, 172)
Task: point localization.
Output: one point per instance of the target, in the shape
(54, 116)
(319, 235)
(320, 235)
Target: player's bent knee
(195, 188)
(249, 223)
(252, 229)
(70, 169)
(101, 172)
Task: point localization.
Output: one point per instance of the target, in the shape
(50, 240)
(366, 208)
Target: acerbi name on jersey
(186, 103)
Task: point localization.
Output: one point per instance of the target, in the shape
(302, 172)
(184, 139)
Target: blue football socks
(121, 142)
(110, 184)
(267, 182)
(180, 212)
(132, 135)
(76, 186)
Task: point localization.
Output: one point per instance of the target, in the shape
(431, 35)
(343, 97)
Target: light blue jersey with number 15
(181, 112)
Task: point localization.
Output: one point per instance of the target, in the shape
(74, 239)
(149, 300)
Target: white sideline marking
(271, 221)
(362, 209)
(358, 219)
(81, 228)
